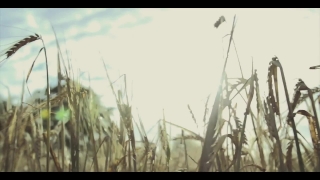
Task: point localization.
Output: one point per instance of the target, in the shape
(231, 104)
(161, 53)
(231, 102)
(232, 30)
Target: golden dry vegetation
(84, 137)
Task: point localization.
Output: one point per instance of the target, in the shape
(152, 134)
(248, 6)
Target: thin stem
(48, 107)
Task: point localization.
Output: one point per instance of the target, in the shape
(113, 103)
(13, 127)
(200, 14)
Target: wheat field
(70, 131)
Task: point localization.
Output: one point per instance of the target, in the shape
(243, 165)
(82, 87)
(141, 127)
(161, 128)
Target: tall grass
(73, 132)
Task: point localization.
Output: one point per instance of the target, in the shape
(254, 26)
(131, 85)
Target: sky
(171, 57)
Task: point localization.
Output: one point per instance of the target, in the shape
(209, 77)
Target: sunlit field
(161, 90)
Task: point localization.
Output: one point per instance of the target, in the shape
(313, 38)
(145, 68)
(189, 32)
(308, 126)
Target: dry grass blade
(62, 133)
(146, 143)
(310, 94)
(204, 166)
(275, 62)
(7, 104)
(302, 86)
(185, 151)
(270, 118)
(242, 81)
(9, 141)
(251, 93)
(30, 70)
(272, 73)
(205, 110)
(314, 135)
(164, 141)
(193, 118)
(187, 130)
(305, 96)
(59, 52)
(19, 133)
(218, 145)
(289, 156)
(257, 127)
(187, 137)
(53, 155)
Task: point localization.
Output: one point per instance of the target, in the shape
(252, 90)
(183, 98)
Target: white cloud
(72, 32)
(127, 18)
(31, 21)
(93, 26)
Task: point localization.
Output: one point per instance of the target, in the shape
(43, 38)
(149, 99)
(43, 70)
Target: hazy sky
(172, 57)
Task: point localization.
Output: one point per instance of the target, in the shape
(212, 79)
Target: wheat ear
(20, 44)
